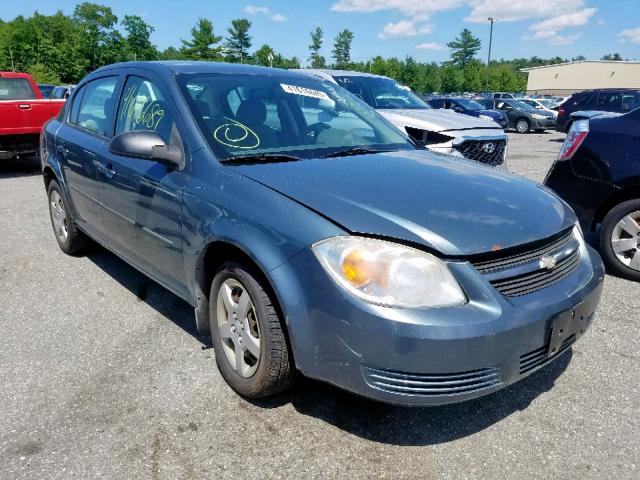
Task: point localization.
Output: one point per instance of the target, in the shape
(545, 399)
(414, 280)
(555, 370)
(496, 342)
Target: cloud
(631, 35)
(514, 10)
(417, 9)
(430, 46)
(574, 19)
(553, 16)
(404, 28)
(254, 10)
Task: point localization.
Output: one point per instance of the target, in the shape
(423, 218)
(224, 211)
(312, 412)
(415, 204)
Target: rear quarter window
(16, 89)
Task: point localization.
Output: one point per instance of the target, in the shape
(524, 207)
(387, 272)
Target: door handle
(63, 150)
(24, 106)
(106, 170)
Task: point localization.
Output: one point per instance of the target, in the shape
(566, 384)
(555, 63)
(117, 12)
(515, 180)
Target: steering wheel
(314, 130)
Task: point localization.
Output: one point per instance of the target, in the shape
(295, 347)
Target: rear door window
(16, 89)
(609, 101)
(94, 113)
(630, 100)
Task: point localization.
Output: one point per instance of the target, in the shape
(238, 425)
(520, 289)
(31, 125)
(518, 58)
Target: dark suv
(606, 100)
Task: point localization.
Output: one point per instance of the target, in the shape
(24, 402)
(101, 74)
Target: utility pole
(13, 66)
(492, 20)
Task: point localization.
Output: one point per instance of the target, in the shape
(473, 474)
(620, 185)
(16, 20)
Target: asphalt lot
(103, 375)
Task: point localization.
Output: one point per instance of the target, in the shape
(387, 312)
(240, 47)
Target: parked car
(543, 104)
(604, 100)
(440, 130)
(62, 92)
(470, 107)
(496, 95)
(23, 111)
(310, 234)
(45, 89)
(598, 174)
(522, 117)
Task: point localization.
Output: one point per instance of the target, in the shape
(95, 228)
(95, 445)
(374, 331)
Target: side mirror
(147, 145)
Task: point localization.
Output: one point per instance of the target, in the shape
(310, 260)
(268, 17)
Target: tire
(266, 372)
(70, 239)
(624, 263)
(522, 125)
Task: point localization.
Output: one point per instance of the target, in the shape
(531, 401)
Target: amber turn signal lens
(355, 269)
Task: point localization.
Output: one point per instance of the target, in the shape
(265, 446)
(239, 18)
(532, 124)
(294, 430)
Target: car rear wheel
(250, 346)
(620, 240)
(522, 125)
(71, 240)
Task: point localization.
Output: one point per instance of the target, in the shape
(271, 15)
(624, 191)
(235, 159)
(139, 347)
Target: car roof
(190, 67)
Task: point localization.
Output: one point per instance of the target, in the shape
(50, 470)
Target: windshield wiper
(354, 151)
(262, 158)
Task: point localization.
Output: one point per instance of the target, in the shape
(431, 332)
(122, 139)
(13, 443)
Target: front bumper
(430, 356)
(546, 124)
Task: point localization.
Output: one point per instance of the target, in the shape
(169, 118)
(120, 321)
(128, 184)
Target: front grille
(434, 384)
(490, 152)
(522, 273)
(538, 357)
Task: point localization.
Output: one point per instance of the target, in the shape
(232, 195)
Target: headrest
(252, 112)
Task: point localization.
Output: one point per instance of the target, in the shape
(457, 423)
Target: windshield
(266, 116)
(381, 92)
(470, 104)
(518, 105)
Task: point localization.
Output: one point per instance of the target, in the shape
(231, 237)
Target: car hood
(438, 120)
(452, 206)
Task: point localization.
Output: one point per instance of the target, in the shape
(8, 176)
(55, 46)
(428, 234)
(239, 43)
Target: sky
(419, 28)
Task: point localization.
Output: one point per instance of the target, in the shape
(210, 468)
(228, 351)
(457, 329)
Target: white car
(443, 131)
(542, 104)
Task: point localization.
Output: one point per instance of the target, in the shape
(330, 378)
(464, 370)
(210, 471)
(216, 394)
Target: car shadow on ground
(359, 416)
(414, 426)
(19, 167)
(147, 290)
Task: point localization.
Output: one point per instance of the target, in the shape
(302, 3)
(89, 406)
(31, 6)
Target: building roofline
(614, 62)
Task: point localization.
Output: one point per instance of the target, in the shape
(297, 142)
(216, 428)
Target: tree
(201, 45)
(101, 43)
(239, 41)
(264, 56)
(317, 60)
(612, 56)
(139, 38)
(464, 48)
(341, 52)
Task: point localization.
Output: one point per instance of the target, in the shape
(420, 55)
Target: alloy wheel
(522, 126)
(58, 216)
(238, 327)
(625, 241)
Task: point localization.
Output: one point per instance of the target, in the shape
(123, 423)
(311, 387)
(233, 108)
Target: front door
(142, 199)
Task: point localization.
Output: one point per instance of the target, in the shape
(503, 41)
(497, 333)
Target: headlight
(486, 117)
(538, 117)
(389, 274)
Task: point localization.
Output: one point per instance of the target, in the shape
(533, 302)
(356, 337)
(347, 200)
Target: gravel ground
(103, 375)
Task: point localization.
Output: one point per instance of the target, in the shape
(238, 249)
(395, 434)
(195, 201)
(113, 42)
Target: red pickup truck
(23, 112)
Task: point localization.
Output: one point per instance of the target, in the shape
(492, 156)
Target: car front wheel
(250, 346)
(620, 240)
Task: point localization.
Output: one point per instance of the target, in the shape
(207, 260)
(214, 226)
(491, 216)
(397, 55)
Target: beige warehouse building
(571, 77)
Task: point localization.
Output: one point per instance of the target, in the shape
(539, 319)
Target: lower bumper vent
(538, 357)
(432, 385)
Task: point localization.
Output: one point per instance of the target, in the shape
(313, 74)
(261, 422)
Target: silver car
(443, 131)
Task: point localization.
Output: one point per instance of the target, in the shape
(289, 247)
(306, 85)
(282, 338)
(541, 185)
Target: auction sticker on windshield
(306, 92)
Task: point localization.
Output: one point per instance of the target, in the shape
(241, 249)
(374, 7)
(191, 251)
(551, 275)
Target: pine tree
(200, 47)
(342, 49)
(317, 60)
(464, 48)
(239, 41)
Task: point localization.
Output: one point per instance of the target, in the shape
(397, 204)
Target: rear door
(78, 144)
(142, 199)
